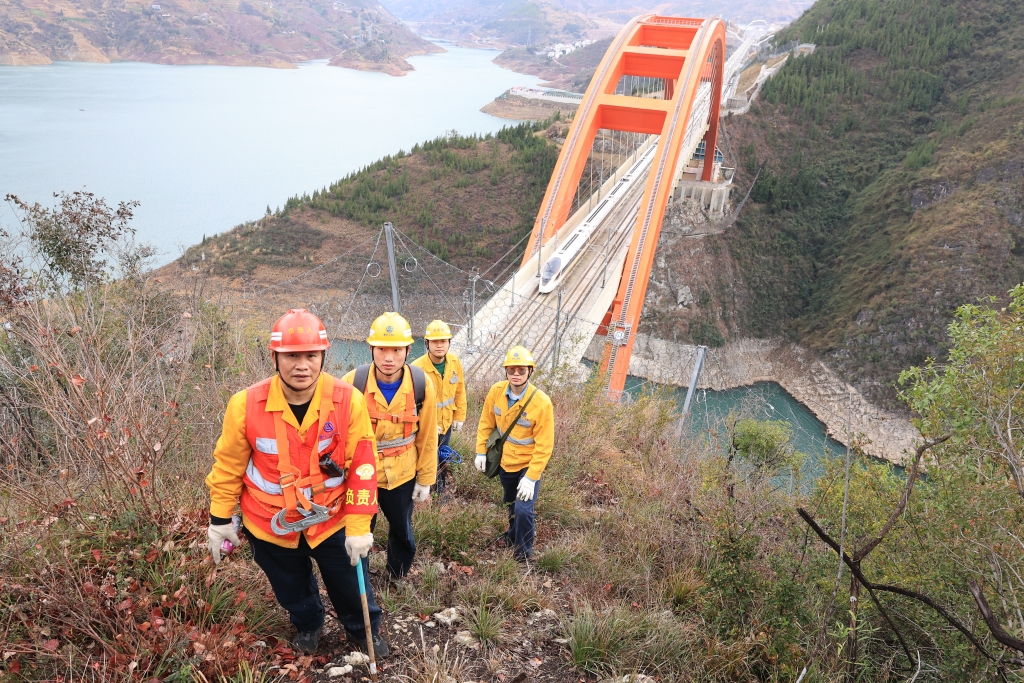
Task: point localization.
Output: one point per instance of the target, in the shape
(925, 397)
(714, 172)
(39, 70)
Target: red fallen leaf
(88, 587)
(145, 626)
(178, 593)
(97, 554)
(77, 380)
(636, 605)
(109, 590)
(467, 570)
(152, 555)
(14, 667)
(33, 368)
(74, 330)
(51, 645)
(125, 604)
(607, 587)
(238, 600)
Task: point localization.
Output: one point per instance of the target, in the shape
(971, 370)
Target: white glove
(457, 426)
(358, 547)
(525, 491)
(217, 534)
(480, 462)
(420, 493)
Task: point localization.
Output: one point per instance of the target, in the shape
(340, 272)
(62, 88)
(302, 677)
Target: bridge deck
(518, 313)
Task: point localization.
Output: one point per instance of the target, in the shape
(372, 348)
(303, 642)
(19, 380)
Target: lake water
(204, 148)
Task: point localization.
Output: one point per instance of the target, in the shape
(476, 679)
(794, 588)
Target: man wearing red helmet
(297, 454)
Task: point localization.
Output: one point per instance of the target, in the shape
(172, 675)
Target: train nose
(549, 272)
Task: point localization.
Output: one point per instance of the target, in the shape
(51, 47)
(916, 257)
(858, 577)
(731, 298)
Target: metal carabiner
(281, 526)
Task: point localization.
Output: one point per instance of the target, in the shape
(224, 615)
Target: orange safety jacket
(283, 473)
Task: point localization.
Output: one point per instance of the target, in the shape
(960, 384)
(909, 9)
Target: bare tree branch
(855, 569)
(901, 506)
(998, 632)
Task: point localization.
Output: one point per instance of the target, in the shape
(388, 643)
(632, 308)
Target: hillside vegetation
(694, 556)
(892, 184)
(356, 33)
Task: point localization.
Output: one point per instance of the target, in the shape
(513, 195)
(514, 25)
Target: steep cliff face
(892, 188)
(696, 291)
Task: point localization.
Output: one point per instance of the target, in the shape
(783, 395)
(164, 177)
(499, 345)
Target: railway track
(528, 317)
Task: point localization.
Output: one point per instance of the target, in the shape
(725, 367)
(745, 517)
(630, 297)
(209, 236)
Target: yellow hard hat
(519, 355)
(390, 329)
(438, 329)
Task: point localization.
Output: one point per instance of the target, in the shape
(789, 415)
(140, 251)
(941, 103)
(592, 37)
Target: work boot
(307, 641)
(380, 646)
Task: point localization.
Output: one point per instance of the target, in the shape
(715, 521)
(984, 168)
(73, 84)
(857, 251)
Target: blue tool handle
(359, 575)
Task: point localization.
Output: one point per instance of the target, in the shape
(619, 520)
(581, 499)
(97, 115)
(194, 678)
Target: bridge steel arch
(686, 53)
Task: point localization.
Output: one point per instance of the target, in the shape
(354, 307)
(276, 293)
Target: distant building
(559, 49)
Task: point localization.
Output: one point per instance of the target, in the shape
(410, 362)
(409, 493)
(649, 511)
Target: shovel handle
(366, 621)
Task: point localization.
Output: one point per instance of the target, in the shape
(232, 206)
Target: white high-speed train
(561, 261)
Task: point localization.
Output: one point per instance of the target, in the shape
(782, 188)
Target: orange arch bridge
(687, 54)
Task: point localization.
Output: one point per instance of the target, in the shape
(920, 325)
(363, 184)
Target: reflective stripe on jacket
(533, 436)
(401, 455)
(450, 389)
(245, 468)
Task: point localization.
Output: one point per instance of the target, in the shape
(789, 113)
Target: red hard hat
(298, 330)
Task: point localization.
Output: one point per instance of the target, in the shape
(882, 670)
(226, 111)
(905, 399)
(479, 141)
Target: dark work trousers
(442, 466)
(396, 506)
(290, 571)
(521, 518)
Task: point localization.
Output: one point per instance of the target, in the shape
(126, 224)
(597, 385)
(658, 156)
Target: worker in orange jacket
(297, 454)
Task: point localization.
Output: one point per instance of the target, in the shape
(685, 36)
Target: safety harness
(410, 417)
(316, 497)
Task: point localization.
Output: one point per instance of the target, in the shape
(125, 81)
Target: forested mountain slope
(893, 181)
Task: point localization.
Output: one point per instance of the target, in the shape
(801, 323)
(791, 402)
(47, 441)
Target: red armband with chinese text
(361, 496)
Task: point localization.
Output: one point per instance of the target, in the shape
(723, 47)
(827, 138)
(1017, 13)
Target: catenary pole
(389, 236)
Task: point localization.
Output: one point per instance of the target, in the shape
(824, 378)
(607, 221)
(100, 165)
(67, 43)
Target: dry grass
(105, 572)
